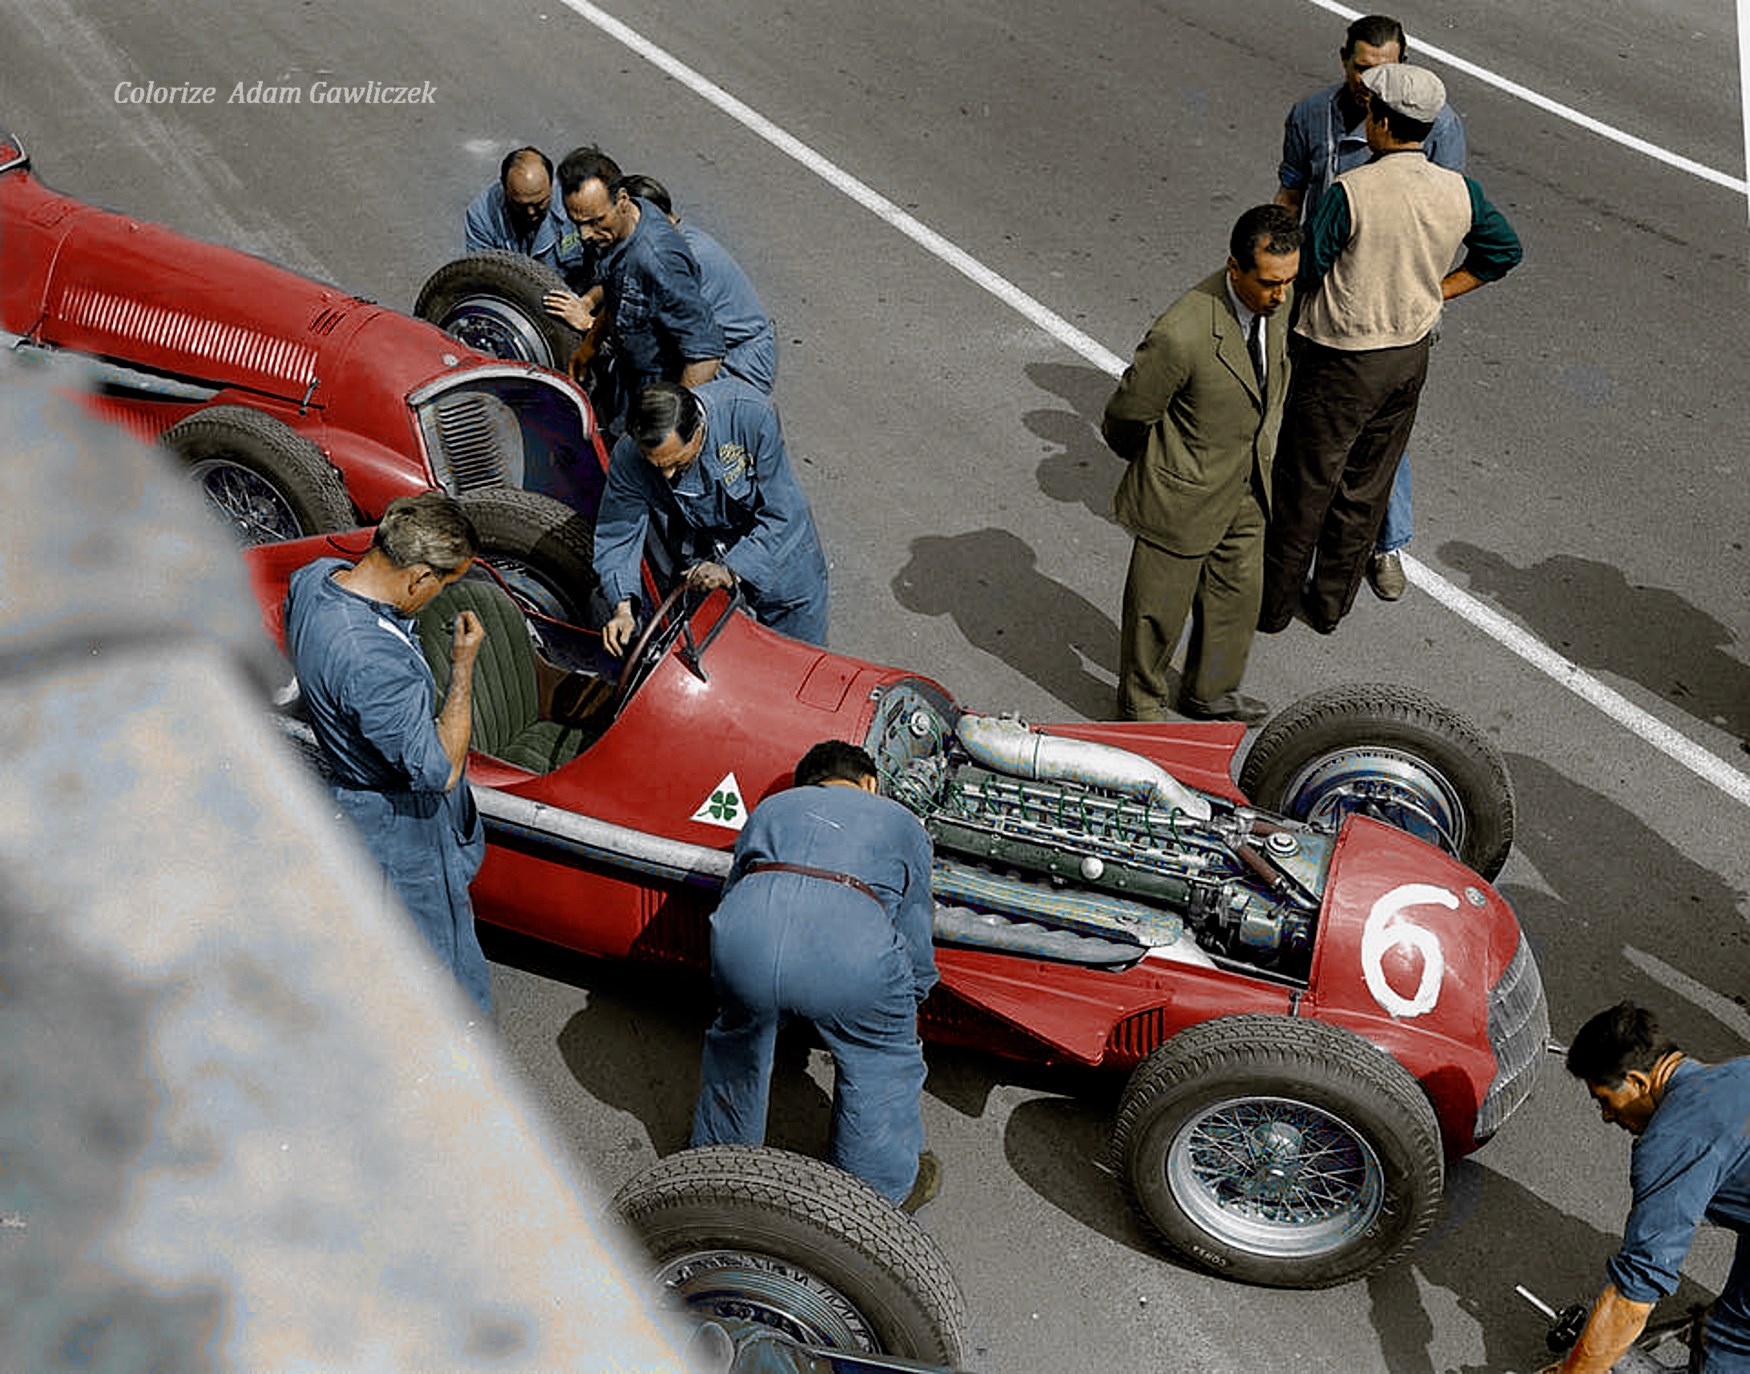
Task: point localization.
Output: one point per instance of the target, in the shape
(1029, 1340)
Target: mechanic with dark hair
(827, 914)
(705, 469)
(750, 342)
(519, 213)
(395, 761)
(1691, 1162)
(1196, 416)
(662, 327)
(1324, 135)
(1375, 271)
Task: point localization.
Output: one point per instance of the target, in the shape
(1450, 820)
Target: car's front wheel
(542, 548)
(267, 482)
(768, 1244)
(1393, 754)
(493, 302)
(1280, 1152)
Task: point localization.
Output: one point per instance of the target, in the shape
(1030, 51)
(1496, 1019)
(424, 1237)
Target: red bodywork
(761, 699)
(177, 324)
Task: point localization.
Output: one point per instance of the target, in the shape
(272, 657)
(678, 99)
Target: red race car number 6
(1386, 929)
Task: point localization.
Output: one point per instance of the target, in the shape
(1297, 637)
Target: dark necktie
(1255, 346)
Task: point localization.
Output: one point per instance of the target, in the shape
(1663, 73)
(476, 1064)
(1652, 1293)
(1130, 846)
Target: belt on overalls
(826, 875)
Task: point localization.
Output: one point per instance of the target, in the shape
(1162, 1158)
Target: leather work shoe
(1227, 706)
(1385, 574)
(927, 1184)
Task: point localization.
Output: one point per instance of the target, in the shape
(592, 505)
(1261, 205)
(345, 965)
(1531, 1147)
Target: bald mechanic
(705, 469)
(1691, 1163)
(395, 759)
(827, 914)
(519, 213)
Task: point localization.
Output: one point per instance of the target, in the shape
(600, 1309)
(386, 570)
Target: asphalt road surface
(963, 216)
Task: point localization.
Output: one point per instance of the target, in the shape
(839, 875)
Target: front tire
(1280, 1152)
(493, 302)
(266, 481)
(1393, 754)
(760, 1239)
(542, 548)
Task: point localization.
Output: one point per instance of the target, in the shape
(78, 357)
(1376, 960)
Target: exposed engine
(1092, 846)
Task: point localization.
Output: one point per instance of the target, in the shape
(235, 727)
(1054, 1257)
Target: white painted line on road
(1654, 731)
(1555, 107)
(1723, 1009)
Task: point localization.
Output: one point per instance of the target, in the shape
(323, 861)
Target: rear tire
(267, 482)
(1280, 1152)
(542, 548)
(493, 303)
(760, 1239)
(1389, 752)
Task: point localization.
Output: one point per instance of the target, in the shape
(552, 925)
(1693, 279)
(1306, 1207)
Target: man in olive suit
(1196, 416)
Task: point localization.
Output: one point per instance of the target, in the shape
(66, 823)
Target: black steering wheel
(646, 652)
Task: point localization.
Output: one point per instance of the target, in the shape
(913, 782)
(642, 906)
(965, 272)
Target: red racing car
(1317, 993)
(297, 407)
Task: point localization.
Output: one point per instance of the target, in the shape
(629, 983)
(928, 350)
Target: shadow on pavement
(1082, 470)
(1589, 612)
(988, 581)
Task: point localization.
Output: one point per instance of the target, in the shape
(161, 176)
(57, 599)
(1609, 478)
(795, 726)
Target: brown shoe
(1385, 574)
(927, 1184)
(1227, 706)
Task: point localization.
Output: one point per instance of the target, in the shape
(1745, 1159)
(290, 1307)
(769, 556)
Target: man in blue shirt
(706, 468)
(519, 213)
(648, 282)
(1691, 1163)
(827, 914)
(748, 336)
(1324, 135)
(395, 760)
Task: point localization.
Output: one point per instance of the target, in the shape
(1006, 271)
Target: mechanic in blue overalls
(705, 469)
(827, 915)
(395, 760)
(1691, 1162)
(519, 213)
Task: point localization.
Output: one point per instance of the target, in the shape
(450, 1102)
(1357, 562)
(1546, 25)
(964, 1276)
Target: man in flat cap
(1375, 269)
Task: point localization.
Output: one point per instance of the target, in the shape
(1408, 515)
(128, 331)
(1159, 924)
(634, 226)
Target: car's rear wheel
(267, 482)
(542, 548)
(1280, 1152)
(493, 303)
(762, 1241)
(1393, 754)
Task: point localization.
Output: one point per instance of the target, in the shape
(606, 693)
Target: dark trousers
(1219, 590)
(1346, 424)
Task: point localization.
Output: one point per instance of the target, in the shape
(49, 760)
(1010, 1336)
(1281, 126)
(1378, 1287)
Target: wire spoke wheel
(742, 1290)
(249, 505)
(489, 325)
(1275, 1176)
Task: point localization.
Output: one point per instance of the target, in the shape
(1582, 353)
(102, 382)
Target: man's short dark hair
(587, 164)
(1617, 1041)
(431, 529)
(1376, 30)
(1263, 229)
(662, 409)
(834, 760)
(516, 155)
(1402, 128)
(647, 188)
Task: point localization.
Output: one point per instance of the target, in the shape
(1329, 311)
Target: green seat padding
(507, 698)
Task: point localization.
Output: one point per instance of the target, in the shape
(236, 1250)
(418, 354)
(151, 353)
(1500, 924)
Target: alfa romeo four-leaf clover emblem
(723, 805)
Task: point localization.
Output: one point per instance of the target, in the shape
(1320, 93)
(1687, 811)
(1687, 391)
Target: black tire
(825, 1258)
(1294, 1096)
(542, 548)
(1391, 753)
(492, 302)
(267, 482)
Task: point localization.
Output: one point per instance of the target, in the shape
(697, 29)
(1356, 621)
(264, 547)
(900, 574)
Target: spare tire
(769, 1244)
(542, 548)
(263, 479)
(493, 303)
(1385, 751)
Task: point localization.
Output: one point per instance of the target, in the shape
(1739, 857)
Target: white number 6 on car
(1386, 929)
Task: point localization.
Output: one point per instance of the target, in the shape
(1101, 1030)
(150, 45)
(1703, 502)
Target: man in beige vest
(1375, 269)
(1196, 417)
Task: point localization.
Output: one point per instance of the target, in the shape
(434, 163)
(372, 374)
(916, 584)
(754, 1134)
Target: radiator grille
(479, 443)
(1518, 1033)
